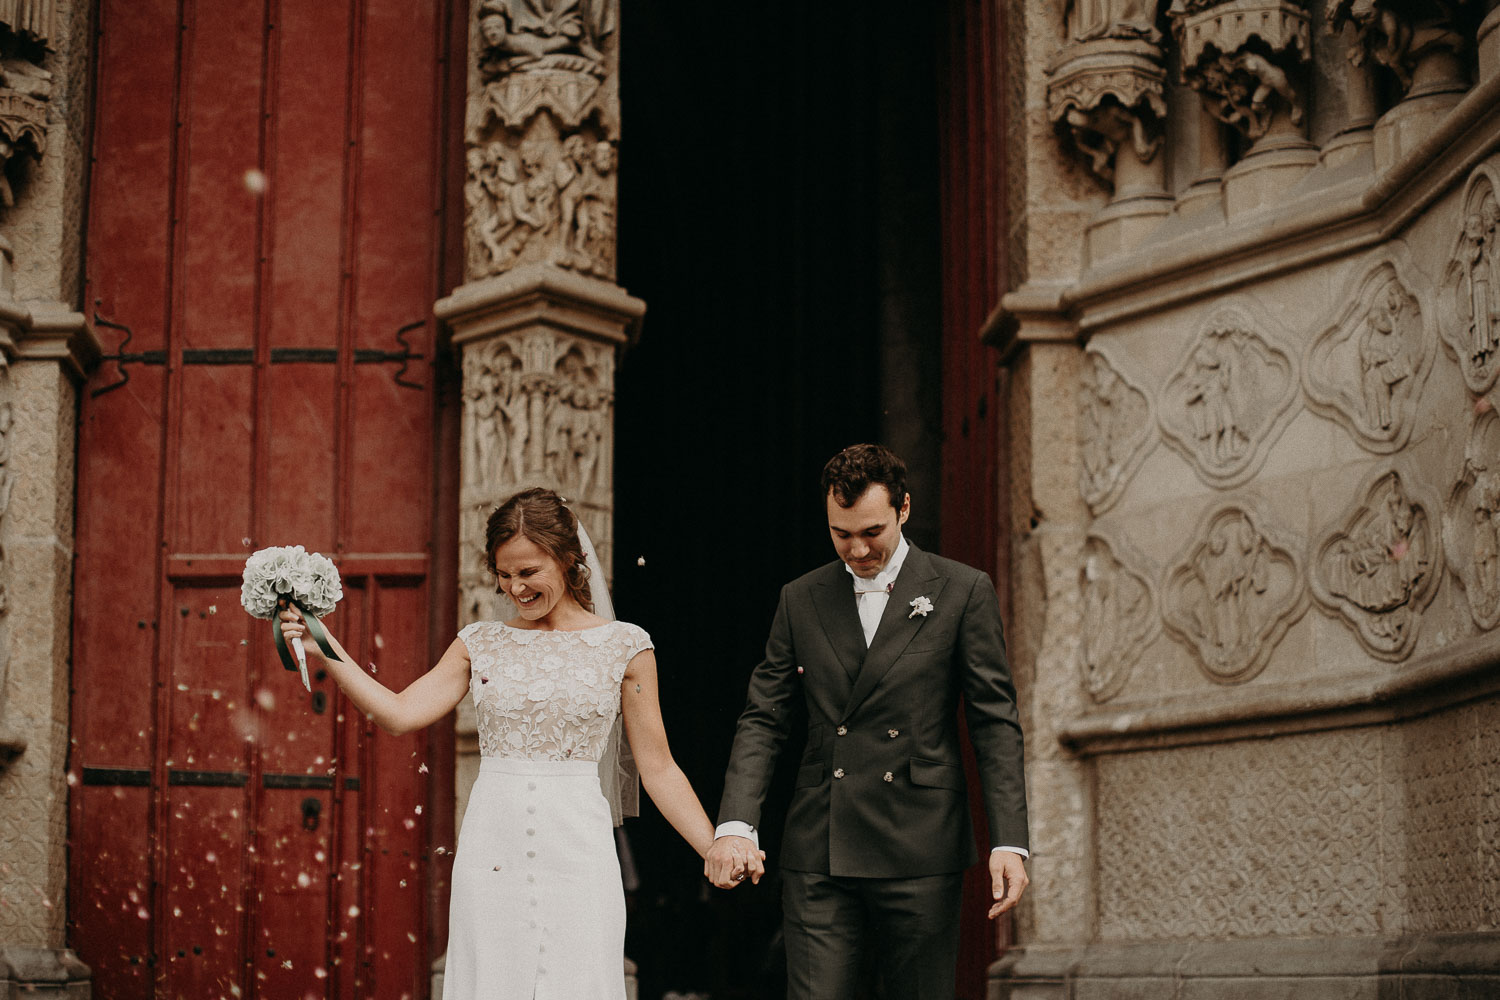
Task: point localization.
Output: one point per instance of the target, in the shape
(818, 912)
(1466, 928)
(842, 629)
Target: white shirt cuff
(1023, 852)
(737, 828)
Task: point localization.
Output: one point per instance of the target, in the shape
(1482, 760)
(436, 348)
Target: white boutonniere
(920, 606)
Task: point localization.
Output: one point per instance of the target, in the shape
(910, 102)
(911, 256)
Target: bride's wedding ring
(739, 876)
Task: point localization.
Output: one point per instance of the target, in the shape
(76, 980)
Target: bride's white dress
(538, 911)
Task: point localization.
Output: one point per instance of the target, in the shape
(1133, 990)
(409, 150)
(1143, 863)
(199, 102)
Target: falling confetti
(255, 183)
(265, 699)
(379, 641)
(640, 560)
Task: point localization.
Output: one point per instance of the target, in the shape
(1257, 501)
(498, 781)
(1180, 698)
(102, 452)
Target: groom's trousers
(906, 927)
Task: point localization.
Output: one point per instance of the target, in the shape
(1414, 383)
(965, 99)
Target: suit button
(889, 776)
(842, 730)
(893, 733)
(838, 772)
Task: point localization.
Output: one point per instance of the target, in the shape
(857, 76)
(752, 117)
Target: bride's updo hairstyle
(539, 515)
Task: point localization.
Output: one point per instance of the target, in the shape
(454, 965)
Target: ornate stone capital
(1107, 93)
(538, 348)
(541, 131)
(1246, 58)
(1404, 36)
(25, 87)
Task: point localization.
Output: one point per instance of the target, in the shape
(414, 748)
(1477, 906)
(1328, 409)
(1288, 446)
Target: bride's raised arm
(421, 703)
(663, 779)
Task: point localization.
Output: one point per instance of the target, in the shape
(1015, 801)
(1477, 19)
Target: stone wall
(44, 346)
(1257, 574)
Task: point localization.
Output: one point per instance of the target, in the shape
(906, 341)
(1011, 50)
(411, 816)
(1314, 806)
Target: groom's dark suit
(880, 794)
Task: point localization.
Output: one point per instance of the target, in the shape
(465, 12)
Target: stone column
(1423, 46)
(1361, 101)
(1105, 89)
(1248, 60)
(539, 321)
(44, 347)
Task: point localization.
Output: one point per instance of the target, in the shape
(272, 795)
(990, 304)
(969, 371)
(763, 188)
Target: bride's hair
(540, 515)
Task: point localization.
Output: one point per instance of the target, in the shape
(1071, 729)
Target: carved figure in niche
(1471, 520)
(1485, 497)
(1118, 614)
(1232, 568)
(1379, 569)
(1229, 398)
(586, 196)
(1397, 35)
(1100, 132)
(1237, 89)
(1233, 592)
(1090, 19)
(1469, 311)
(1114, 425)
(1383, 357)
(1209, 400)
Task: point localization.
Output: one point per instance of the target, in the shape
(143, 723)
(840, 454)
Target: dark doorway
(780, 216)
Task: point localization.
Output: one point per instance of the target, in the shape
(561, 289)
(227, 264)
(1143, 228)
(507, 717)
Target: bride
(537, 908)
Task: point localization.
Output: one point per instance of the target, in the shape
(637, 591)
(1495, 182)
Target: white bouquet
(288, 574)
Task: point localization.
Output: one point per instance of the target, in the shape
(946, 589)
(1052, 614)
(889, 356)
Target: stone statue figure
(521, 34)
(1380, 562)
(1233, 570)
(1100, 614)
(1090, 19)
(1486, 500)
(1476, 252)
(1100, 384)
(1210, 401)
(1383, 357)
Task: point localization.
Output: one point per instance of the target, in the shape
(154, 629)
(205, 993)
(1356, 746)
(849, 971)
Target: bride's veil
(618, 776)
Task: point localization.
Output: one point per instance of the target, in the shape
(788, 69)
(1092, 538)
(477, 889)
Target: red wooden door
(975, 515)
(265, 236)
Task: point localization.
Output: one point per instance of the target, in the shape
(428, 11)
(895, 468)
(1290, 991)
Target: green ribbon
(315, 631)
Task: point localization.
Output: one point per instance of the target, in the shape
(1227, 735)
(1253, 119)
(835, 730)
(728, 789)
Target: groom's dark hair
(860, 466)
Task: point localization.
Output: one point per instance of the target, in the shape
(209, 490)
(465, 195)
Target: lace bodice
(542, 695)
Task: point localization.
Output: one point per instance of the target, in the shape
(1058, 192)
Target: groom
(878, 648)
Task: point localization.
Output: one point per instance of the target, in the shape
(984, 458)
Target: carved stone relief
(541, 137)
(1232, 593)
(1471, 519)
(1247, 59)
(1400, 35)
(1119, 614)
(25, 87)
(7, 482)
(1380, 564)
(1469, 319)
(1229, 399)
(1106, 86)
(537, 410)
(1367, 368)
(1114, 431)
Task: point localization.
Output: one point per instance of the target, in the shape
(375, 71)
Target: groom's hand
(1008, 877)
(731, 860)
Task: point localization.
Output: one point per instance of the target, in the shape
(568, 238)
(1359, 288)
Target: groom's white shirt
(870, 596)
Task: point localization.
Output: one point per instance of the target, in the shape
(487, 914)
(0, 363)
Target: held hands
(731, 859)
(293, 627)
(1008, 877)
